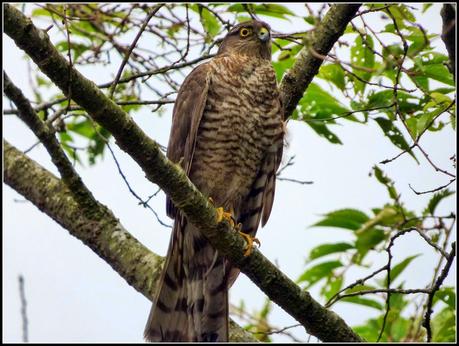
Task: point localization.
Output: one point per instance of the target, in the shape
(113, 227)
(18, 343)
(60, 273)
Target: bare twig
(433, 190)
(334, 299)
(141, 201)
(131, 48)
(388, 282)
(25, 320)
(435, 288)
(301, 182)
(69, 54)
(120, 171)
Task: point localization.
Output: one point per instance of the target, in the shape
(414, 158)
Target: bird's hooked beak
(263, 35)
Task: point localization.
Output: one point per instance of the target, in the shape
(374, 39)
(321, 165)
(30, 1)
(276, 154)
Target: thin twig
(301, 182)
(433, 190)
(25, 320)
(120, 171)
(435, 288)
(69, 54)
(131, 48)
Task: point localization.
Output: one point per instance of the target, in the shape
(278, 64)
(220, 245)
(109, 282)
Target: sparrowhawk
(227, 135)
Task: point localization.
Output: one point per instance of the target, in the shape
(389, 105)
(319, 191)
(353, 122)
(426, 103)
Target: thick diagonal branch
(318, 321)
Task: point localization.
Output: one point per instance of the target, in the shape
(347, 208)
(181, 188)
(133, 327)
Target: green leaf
(398, 301)
(344, 218)
(425, 7)
(447, 295)
(363, 301)
(444, 91)
(380, 99)
(285, 60)
(385, 98)
(369, 331)
(399, 329)
(332, 287)
(440, 73)
(430, 58)
(333, 73)
(367, 240)
(210, 24)
(444, 326)
(425, 120)
(401, 13)
(326, 249)
(435, 200)
(418, 41)
(362, 56)
(322, 130)
(71, 152)
(394, 134)
(386, 181)
(412, 124)
(400, 267)
(316, 100)
(386, 216)
(318, 272)
(41, 12)
(65, 137)
(316, 107)
(83, 128)
(432, 65)
(310, 20)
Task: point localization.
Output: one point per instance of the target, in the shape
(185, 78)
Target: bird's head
(248, 38)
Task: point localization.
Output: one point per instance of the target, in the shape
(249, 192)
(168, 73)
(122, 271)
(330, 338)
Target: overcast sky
(74, 296)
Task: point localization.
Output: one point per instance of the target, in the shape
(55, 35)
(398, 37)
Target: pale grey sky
(74, 296)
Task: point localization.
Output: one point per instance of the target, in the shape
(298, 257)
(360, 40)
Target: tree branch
(318, 321)
(448, 15)
(97, 228)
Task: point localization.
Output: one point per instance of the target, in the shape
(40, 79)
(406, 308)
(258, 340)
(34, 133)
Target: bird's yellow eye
(244, 32)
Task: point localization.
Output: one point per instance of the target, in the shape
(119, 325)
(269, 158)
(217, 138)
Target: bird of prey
(227, 135)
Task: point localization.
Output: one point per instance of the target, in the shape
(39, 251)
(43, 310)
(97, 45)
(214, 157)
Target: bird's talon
(224, 215)
(249, 240)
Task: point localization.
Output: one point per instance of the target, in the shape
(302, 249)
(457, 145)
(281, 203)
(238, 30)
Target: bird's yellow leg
(249, 240)
(224, 215)
(228, 216)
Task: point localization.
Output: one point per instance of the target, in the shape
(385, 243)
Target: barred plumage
(227, 133)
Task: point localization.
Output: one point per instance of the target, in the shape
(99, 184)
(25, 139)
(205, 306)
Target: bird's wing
(187, 114)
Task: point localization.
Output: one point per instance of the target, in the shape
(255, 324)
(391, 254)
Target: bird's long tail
(192, 298)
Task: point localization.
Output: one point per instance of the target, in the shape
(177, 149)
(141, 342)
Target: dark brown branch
(75, 108)
(46, 136)
(448, 15)
(435, 288)
(433, 190)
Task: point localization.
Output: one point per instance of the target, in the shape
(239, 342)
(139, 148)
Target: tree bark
(448, 35)
(317, 320)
